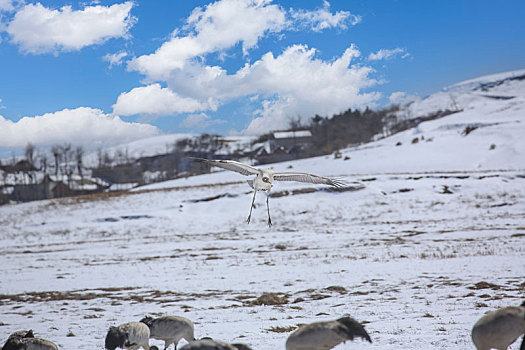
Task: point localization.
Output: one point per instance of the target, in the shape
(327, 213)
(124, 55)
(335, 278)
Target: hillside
(494, 141)
(427, 237)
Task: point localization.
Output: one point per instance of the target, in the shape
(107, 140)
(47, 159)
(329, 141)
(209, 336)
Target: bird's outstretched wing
(310, 178)
(232, 165)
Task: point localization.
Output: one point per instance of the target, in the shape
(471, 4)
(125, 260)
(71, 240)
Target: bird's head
(147, 320)
(115, 339)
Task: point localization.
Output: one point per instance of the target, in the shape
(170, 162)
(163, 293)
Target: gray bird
(25, 340)
(264, 178)
(171, 329)
(326, 335)
(500, 328)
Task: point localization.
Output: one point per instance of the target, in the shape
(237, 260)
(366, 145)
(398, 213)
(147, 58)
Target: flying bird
(264, 178)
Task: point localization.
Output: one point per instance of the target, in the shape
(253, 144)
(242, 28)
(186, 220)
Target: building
(284, 145)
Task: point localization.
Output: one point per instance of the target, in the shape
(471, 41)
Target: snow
(292, 134)
(468, 95)
(491, 78)
(434, 219)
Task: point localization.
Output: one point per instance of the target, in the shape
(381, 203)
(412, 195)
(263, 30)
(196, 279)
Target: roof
(292, 134)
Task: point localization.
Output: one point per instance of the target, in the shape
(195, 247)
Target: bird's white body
(137, 335)
(264, 178)
(500, 328)
(263, 181)
(130, 336)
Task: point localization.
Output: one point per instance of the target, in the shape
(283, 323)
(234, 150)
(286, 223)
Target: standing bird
(265, 177)
(326, 335)
(171, 329)
(500, 328)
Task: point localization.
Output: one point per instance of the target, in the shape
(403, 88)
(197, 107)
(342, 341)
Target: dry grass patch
(279, 329)
(485, 285)
(339, 289)
(270, 299)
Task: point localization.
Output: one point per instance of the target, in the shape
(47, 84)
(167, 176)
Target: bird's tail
(338, 183)
(354, 328)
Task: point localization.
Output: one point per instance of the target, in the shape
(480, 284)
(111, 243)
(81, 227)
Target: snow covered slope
(470, 94)
(433, 240)
(488, 134)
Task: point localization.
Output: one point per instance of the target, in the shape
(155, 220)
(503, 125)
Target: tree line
(329, 134)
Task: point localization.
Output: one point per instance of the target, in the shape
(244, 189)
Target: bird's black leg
(268, 206)
(251, 207)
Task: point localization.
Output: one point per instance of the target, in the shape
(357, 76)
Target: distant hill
(474, 125)
(487, 134)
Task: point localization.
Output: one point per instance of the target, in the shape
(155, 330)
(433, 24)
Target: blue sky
(106, 72)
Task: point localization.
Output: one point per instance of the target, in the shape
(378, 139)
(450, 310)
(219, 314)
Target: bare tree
(4, 176)
(30, 158)
(99, 157)
(103, 158)
(79, 154)
(67, 152)
(454, 103)
(30, 153)
(57, 156)
(295, 124)
(43, 163)
(120, 156)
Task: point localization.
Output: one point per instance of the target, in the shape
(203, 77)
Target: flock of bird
(495, 330)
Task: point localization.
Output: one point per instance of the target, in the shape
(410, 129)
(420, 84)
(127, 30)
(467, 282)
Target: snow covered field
(432, 238)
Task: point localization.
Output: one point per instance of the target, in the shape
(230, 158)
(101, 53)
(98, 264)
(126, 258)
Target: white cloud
(386, 54)
(402, 98)
(223, 24)
(7, 5)
(217, 26)
(306, 86)
(322, 19)
(200, 121)
(294, 83)
(156, 100)
(80, 126)
(37, 29)
(115, 59)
